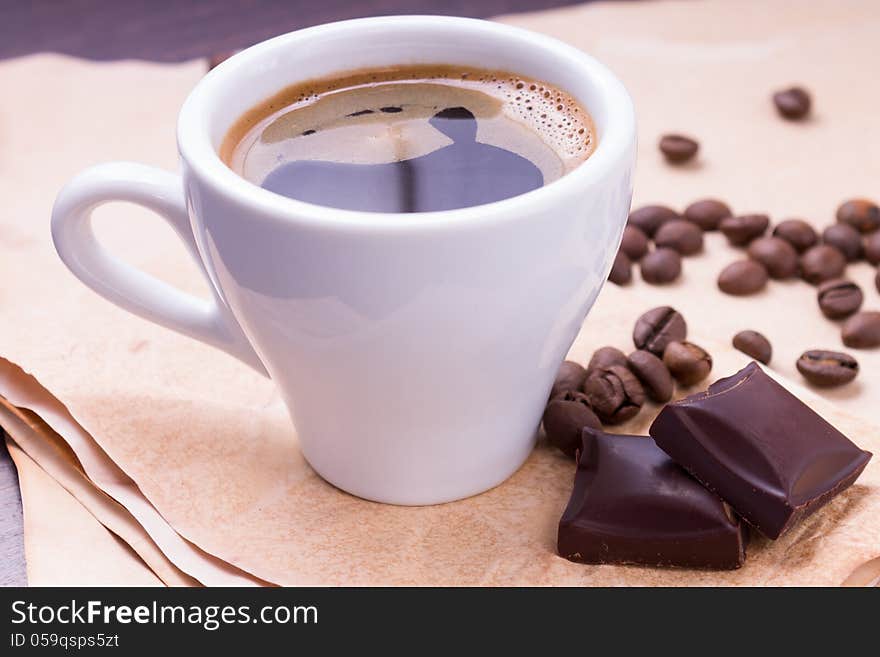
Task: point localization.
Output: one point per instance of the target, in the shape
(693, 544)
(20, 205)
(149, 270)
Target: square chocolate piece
(632, 504)
(763, 450)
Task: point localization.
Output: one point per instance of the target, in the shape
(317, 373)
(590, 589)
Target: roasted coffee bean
(678, 148)
(742, 229)
(778, 256)
(845, 239)
(861, 214)
(743, 277)
(877, 280)
(565, 418)
(615, 394)
(605, 357)
(621, 270)
(661, 266)
(798, 233)
(688, 363)
(657, 328)
(753, 344)
(707, 213)
(827, 368)
(680, 235)
(570, 376)
(793, 103)
(862, 330)
(822, 263)
(634, 243)
(218, 58)
(653, 374)
(649, 218)
(871, 248)
(839, 298)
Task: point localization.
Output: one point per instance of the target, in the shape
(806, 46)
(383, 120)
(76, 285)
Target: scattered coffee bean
(862, 330)
(661, 266)
(217, 59)
(653, 374)
(877, 280)
(742, 229)
(678, 149)
(569, 377)
(688, 363)
(821, 263)
(680, 235)
(845, 239)
(753, 344)
(564, 420)
(657, 328)
(793, 103)
(707, 213)
(778, 256)
(615, 394)
(634, 243)
(605, 357)
(871, 248)
(861, 214)
(743, 277)
(621, 270)
(798, 233)
(827, 368)
(839, 298)
(649, 218)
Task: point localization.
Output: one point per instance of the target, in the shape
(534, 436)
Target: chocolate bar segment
(764, 451)
(632, 504)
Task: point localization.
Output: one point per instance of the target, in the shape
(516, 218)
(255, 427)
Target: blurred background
(177, 30)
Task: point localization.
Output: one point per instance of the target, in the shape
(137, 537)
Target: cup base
(492, 476)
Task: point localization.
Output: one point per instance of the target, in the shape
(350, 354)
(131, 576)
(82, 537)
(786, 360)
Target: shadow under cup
(414, 351)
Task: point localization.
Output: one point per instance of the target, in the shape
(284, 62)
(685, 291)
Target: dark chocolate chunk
(765, 452)
(632, 504)
(657, 328)
(569, 377)
(564, 420)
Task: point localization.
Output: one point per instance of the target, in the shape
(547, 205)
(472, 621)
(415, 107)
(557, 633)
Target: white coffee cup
(415, 352)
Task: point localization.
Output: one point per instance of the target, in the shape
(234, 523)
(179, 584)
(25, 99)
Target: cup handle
(210, 321)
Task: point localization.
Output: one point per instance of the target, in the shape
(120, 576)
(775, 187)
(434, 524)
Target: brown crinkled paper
(166, 437)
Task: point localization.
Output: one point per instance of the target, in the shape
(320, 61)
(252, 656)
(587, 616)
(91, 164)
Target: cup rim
(197, 150)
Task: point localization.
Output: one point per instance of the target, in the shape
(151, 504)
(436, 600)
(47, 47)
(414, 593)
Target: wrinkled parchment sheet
(207, 443)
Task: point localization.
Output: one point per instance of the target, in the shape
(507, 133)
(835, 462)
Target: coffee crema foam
(380, 116)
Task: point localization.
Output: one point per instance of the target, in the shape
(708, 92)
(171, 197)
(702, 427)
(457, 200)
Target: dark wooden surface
(171, 31)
